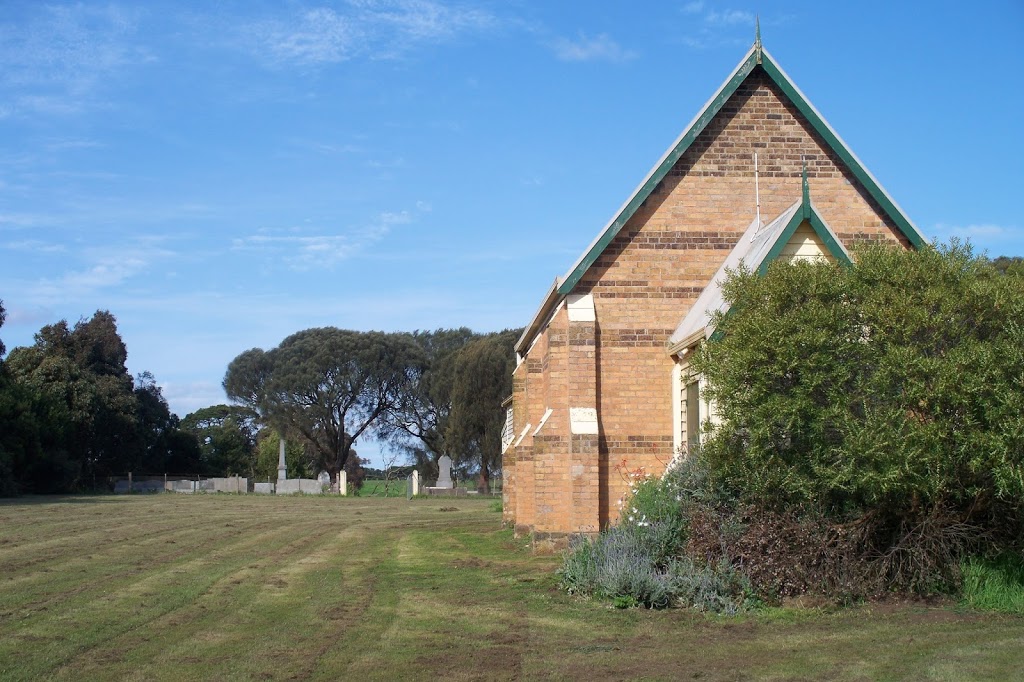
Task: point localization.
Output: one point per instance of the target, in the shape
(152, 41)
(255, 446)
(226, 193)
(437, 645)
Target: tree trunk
(483, 485)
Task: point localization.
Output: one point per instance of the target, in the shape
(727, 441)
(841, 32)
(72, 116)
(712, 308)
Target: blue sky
(220, 175)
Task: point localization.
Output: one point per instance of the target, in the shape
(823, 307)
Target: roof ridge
(756, 57)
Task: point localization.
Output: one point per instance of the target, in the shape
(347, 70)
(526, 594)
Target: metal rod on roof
(757, 193)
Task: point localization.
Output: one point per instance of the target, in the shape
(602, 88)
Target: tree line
(73, 417)
(425, 394)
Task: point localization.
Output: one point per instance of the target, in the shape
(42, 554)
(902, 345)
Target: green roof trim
(757, 57)
(907, 228)
(666, 164)
(806, 213)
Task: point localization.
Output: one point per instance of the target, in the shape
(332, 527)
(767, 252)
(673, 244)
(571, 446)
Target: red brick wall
(644, 284)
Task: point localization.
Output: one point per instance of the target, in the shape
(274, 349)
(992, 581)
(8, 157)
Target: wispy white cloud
(35, 246)
(709, 27)
(975, 231)
(185, 397)
(730, 17)
(318, 35)
(33, 316)
(376, 29)
(104, 268)
(398, 162)
(591, 48)
(58, 61)
(302, 251)
(61, 144)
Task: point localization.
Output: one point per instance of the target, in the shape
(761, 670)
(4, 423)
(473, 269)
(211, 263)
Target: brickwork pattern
(644, 284)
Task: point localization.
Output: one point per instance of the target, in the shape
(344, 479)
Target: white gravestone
(412, 485)
(444, 472)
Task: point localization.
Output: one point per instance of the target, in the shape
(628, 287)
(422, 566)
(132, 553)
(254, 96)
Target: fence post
(129, 483)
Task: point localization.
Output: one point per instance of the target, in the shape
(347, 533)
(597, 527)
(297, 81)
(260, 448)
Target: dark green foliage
(1011, 265)
(892, 385)
(227, 440)
(268, 443)
(33, 455)
(73, 415)
(481, 380)
(168, 447)
(870, 438)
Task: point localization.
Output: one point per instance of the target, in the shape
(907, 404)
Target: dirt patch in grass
(472, 562)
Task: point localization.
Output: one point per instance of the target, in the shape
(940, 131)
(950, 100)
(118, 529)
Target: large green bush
(869, 440)
(893, 385)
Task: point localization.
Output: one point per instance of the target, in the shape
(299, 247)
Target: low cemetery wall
(306, 486)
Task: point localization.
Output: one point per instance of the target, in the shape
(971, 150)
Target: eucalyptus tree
(326, 386)
(481, 380)
(419, 423)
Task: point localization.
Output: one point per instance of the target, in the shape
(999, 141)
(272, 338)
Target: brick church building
(602, 381)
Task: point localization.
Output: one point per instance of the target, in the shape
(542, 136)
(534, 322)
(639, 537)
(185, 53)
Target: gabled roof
(756, 57)
(756, 250)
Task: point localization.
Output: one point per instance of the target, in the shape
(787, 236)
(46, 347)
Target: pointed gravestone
(282, 468)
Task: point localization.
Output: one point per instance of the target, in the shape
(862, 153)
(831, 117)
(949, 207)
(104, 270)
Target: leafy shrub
(617, 565)
(715, 587)
(893, 385)
(640, 563)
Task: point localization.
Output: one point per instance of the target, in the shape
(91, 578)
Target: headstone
(412, 485)
(282, 469)
(231, 484)
(343, 482)
(324, 478)
(264, 488)
(444, 472)
(182, 486)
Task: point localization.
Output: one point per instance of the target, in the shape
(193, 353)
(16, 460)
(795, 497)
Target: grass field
(251, 587)
(374, 488)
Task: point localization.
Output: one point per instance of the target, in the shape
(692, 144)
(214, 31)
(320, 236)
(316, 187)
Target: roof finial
(757, 37)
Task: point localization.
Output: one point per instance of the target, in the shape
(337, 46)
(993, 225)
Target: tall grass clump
(994, 584)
